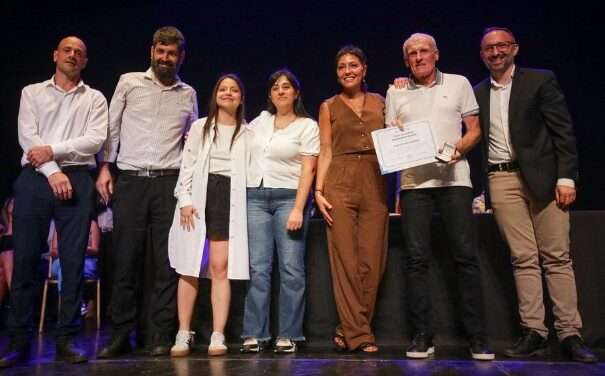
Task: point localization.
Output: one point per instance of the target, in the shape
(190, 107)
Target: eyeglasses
(501, 46)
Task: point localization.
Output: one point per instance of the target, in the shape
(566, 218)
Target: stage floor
(309, 360)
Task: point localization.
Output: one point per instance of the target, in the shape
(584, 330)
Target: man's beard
(164, 72)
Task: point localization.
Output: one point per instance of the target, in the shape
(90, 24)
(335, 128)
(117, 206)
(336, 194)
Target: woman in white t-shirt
(210, 218)
(283, 144)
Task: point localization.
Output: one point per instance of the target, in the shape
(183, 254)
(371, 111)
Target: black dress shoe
(575, 348)
(530, 344)
(159, 350)
(160, 345)
(67, 351)
(118, 345)
(14, 355)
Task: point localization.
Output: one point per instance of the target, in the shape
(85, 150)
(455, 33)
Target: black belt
(506, 166)
(75, 168)
(150, 173)
(70, 168)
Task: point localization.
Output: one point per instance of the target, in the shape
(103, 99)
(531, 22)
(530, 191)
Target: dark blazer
(541, 130)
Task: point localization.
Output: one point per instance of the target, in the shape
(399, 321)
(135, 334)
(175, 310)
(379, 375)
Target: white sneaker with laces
(217, 344)
(182, 343)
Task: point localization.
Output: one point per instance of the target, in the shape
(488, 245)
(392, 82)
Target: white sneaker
(217, 344)
(284, 345)
(182, 343)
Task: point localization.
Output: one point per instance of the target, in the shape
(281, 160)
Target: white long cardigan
(186, 249)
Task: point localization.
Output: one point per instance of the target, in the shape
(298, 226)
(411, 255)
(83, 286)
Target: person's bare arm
(470, 138)
(323, 162)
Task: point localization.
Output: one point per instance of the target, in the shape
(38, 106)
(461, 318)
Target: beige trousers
(538, 237)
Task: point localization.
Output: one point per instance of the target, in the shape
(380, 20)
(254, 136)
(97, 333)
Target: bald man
(62, 124)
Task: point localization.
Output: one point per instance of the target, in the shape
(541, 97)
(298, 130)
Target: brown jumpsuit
(358, 238)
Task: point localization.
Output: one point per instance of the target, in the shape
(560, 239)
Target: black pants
(142, 204)
(454, 204)
(35, 206)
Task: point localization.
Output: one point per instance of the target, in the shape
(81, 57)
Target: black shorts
(218, 204)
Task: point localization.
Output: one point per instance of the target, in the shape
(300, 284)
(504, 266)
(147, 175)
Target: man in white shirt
(447, 102)
(148, 116)
(529, 144)
(61, 126)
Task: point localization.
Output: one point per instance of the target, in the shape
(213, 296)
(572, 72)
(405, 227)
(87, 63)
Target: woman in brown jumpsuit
(351, 195)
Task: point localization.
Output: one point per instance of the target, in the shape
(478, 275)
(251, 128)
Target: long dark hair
(351, 49)
(213, 107)
(299, 108)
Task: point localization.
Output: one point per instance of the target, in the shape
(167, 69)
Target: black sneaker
(529, 344)
(421, 348)
(575, 348)
(480, 350)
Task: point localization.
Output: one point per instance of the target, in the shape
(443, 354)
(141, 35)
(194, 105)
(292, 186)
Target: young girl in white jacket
(211, 193)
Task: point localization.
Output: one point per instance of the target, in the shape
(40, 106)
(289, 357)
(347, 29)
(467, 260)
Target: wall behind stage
(255, 38)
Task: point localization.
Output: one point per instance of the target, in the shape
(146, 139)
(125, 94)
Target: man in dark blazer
(530, 149)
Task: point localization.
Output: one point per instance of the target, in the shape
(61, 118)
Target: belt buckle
(148, 172)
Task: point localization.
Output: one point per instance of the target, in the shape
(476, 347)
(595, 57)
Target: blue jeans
(268, 212)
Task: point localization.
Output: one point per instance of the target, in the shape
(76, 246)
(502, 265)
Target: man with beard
(62, 125)
(148, 116)
(529, 144)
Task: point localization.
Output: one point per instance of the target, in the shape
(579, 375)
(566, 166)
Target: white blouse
(275, 154)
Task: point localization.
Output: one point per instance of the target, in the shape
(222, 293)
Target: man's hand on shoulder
(38, 155)
(400, 82)
(61, 186)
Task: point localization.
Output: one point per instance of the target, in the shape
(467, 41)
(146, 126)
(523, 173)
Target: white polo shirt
(444, 104)
(275, 154)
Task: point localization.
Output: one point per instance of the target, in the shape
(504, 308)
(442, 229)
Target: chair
(50, 280)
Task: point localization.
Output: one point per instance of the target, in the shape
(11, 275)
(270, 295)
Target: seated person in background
(479, 206)
(6, 247)
(90, 266)
(105, 265)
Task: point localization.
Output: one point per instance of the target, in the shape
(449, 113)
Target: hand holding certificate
(399, 149)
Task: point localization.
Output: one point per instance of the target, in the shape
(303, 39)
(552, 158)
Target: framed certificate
(398, 149)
